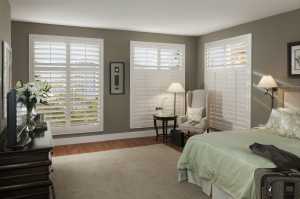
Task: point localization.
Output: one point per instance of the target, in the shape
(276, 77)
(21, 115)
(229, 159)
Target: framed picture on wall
(294, 58)
(6, 74)
(117, 78)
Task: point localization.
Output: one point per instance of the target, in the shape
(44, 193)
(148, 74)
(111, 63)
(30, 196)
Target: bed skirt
(209, 189)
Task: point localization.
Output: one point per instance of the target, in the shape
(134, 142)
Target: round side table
(165, 119)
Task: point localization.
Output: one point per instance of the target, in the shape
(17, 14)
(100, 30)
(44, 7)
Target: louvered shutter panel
(85, 83)
(228, 80)
(50, 64)
(171, 57)
(145, 57)
(154, 66)
(73, 67)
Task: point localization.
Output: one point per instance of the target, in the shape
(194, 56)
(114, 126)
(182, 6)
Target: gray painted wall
(116, 47)
(5, 33)
(269, 54)
(270, 38)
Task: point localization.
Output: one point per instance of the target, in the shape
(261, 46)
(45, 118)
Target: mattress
(224, 159)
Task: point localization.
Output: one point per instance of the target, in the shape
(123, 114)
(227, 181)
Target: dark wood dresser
(25, 173)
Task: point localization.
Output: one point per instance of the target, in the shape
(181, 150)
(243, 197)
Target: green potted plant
(29, 95)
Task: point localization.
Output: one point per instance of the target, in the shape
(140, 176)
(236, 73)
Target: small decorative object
(175, 88)
(6, 74)
(29, 95)
(158, 110)
(269, 84)
(294, 58)
(117, 78)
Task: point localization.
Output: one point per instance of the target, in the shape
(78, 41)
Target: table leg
(166, 131)
(175, 124)
(156, 128)
(163, 130)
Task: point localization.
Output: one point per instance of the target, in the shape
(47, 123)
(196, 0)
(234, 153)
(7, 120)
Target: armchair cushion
(194, 127)
(194, 114)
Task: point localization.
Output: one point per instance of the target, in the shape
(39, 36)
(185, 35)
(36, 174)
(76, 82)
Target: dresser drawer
(23, 179)
(39, 189)
(25, 168)
(17, 157)
(32, 196)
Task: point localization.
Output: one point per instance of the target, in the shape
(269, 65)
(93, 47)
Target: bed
(222, 164)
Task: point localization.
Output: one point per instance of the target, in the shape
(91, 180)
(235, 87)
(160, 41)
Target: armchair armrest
(203, 124)
(182, 119)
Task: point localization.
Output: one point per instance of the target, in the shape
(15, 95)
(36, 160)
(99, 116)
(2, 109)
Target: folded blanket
(282, 159)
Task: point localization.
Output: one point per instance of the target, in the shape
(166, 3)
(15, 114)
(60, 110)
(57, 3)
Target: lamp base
(174, 104)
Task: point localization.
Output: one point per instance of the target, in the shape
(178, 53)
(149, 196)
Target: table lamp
(175, 88)
(269, 84)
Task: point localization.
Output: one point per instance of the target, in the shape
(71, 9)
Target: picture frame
(294, 59)
(117, 77)
(6, 74)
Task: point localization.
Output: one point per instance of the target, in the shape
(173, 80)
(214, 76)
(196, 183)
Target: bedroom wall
(269, 54)
(5, 33)
(116, 47)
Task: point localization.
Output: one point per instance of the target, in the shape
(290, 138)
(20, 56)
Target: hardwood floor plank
(107, 145)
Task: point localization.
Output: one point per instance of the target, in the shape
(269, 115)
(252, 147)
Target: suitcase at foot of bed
(272, 184)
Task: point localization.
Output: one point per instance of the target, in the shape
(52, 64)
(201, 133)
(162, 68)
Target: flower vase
(29, 123)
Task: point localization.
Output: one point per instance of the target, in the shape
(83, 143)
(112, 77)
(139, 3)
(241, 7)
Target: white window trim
(245, 37)
(155, 45)
(77, 128)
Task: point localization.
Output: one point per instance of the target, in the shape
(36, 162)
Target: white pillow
(290, 124)
(274, 120)
(194, 114)
(285, 123)
(296, 128)
(290, 110)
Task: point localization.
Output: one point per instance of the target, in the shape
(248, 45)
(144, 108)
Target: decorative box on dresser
(26, 173)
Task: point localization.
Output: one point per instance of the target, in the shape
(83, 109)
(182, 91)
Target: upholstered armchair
(195, 120)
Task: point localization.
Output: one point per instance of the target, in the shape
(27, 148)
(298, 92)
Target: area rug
(147, 172)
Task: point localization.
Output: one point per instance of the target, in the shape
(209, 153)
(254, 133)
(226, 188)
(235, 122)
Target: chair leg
(156, 129)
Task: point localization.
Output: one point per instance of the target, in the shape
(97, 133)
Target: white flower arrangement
(32, 93)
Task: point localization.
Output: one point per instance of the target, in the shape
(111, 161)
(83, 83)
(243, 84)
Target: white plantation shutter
(85, 83)
(74, 68)
(153, 67)
(171, 58)
(228, 81)
(145, 57)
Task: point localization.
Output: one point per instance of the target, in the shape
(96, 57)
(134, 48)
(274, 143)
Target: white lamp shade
(267, 81)
(176, 87)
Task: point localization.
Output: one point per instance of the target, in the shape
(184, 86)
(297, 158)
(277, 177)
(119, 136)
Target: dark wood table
(165, 119)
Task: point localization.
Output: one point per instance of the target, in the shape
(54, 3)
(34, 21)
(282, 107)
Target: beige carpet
(147, 172)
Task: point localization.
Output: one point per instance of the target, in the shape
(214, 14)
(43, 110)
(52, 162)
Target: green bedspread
(224, 159)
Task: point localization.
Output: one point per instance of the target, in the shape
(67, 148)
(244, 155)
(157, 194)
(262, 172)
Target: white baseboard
(103, 137)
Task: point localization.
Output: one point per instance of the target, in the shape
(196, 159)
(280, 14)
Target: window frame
(72, 129)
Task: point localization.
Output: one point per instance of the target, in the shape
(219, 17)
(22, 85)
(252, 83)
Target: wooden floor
(107, 145)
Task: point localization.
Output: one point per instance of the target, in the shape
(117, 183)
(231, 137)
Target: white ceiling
(182, 17)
